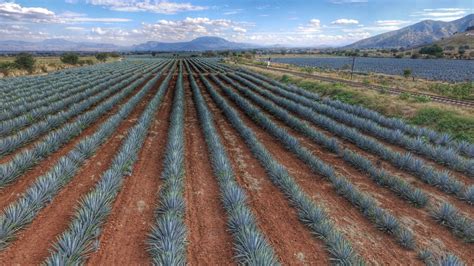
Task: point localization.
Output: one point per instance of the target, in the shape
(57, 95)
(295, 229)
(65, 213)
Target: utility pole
(353, 62)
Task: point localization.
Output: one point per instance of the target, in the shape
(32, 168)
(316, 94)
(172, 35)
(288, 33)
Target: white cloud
(75, 28)
(314, 25)
(154, 6)
(348, 1)
(15, 12)
(345, 21)
(444, 14)
(389, 23)
(239, 29)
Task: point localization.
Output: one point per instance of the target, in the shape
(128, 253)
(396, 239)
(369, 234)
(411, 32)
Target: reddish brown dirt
(32, 143)
(459, 175)
(418, 220)
(293, 242)
(12, 192)
(124, 236)
(373, 244)
(32, 244)
(435, 193)
(209, 242)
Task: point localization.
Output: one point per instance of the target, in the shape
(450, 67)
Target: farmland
(190, 161)
(431, 69)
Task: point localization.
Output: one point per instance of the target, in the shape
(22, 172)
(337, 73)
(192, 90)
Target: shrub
(25, 61)
(70, 58)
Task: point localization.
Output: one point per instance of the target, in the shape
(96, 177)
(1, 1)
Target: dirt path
(12, 192)
(124, 236)
(41, 137)
(426, 230)
(32, 245)
(293, 242)
(372, 244)
(209, 242)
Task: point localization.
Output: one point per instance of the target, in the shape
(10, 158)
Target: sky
(264, 22)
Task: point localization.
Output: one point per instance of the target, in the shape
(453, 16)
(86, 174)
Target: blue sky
(290, 22)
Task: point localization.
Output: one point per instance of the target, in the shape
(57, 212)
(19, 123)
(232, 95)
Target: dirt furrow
(428, 233)
(32, 245)
(39, 138)
(124, 236)
(373, 244)
(12, 192)
(209, 241)
(293, 242)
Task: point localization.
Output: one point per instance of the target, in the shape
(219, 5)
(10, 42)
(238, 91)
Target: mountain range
(421, 33)
(198, 44)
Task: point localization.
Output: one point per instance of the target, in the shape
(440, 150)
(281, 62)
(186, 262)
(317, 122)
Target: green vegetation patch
(459, 90)
(459, 126)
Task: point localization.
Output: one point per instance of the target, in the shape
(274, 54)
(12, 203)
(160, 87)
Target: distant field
(432, 69)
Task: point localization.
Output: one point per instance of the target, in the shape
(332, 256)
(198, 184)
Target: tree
(70, 58)
(25, 61)
(432, 50)
(114, 55)
(101, 56)
(153, 54)
(407, 73)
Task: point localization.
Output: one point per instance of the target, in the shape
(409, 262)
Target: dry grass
(458, 121)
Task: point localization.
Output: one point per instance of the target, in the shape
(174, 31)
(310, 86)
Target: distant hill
(421, 33)
(458, 39)
(56, 45)
(198, 44)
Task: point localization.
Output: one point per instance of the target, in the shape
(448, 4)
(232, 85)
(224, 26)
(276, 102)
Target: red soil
(209, 242)
(41, 137)
(12, 192)
(32, 244)
(123, 238)
(291, 239)
(418, 220)
(372, 245)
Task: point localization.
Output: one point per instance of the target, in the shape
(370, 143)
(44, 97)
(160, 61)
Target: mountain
(56, 45)
(421, 33)
(458, 39)
(198, 44)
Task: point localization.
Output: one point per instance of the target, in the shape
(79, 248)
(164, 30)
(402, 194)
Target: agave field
(432, 69)
(189, 161)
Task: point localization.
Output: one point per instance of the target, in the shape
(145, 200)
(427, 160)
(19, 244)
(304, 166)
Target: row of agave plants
(38, 110)
(251, 246)
(75, 244)
(54, 91)
(443, 155)
(365, 203)
(443, 180)
(21, 212)
(310, 213)
(463, 226)
(23, 89)
(90, 97)
(167, 240)
(443, 139)
(25, 159)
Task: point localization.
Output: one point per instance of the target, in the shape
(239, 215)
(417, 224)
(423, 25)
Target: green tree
(70, 58)
(432, 50)
(407, 73)
(25, 61)
(101, 56)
